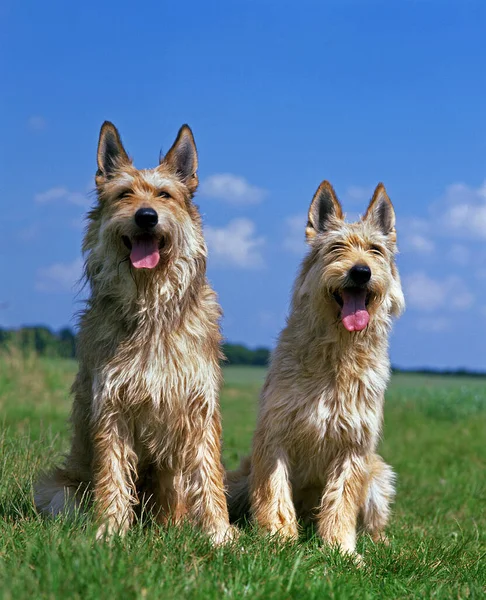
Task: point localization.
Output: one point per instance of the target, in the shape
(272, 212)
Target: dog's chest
(161, 378)
(343, 416)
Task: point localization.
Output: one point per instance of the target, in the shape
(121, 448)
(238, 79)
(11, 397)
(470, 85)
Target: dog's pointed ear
(111, 153)
(324, 208)
(380, 211)
(182, 158)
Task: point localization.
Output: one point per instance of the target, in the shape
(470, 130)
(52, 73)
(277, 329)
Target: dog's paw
(108, 529)
(358, 560)
(224, 535)
(380, 538)
(288, 532)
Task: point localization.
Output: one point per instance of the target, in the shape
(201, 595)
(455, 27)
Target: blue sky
(280, 95)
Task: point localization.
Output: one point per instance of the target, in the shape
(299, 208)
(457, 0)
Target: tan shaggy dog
(146, 415)
(321, 407)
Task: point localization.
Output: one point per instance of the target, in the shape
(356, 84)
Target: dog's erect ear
(380, 211)
(324, 207)
(182, 158)
(111, 153)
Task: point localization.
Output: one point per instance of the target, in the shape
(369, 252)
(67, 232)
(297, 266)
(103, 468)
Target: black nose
(146, 218)
(360, 274)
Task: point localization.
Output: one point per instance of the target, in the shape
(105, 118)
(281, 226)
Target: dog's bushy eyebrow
(123, 191)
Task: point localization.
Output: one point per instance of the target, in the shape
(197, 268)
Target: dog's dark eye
(378, 250)
(336, 247)
(124, 194)
(163, 194)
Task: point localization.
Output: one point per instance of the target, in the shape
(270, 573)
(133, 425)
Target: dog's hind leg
(375, 511)
(238, 491)
(66, 490)
(167, 498)
(58, 493)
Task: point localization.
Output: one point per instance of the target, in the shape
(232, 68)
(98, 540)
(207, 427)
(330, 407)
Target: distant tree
(40, 340)
(261, 356)
(237, 354)
(67, 343)
(43, 341)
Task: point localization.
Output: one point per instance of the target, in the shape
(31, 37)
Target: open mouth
(354, 307)
(144, 250)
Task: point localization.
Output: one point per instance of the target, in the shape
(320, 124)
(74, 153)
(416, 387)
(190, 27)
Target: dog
(314, 449)
(146, 420)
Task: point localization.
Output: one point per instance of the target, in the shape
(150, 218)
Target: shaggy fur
(146, 415)
(321, 407)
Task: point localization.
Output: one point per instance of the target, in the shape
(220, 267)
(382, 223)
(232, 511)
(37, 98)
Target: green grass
(434, 437)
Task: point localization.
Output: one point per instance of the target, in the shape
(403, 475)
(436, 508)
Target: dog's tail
(238, 491)
(59, 493)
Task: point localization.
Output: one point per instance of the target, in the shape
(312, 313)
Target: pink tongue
(354, 314)
(145, 252)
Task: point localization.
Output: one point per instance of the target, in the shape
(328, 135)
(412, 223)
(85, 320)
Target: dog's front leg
(206, 498)
(341, 501)
(270, 491)
(115, 468)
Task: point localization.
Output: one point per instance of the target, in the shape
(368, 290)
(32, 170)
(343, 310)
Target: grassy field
(435, 437)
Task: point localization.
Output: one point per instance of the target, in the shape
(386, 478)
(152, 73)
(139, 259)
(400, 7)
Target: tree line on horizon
(44, 341)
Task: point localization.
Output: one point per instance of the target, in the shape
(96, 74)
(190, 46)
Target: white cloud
(355, 194)
(419, 244)
(294, 236)
(460, 213)
(433, 324)
(414, 236)
(463, 210)
(427, 295)
(64, 195)
(29, 233)
(233, 189)
(235, 245)
(36, 123)
(458, 254)
(59, 277)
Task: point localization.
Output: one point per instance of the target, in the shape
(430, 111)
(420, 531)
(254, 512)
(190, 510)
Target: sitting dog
(321, 410)
(146, 413)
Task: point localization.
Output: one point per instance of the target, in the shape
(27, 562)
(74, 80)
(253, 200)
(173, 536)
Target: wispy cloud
(59, 277)
(357, 194)
(426, 294)
(235, 245)
(459, 254)
(29, 233)
(415, 235)
(62, 194)
(418, 243)
(232, 189)
(36, 123)
(459, 214)
(294, 234)
(433, 325)
(464, 210)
